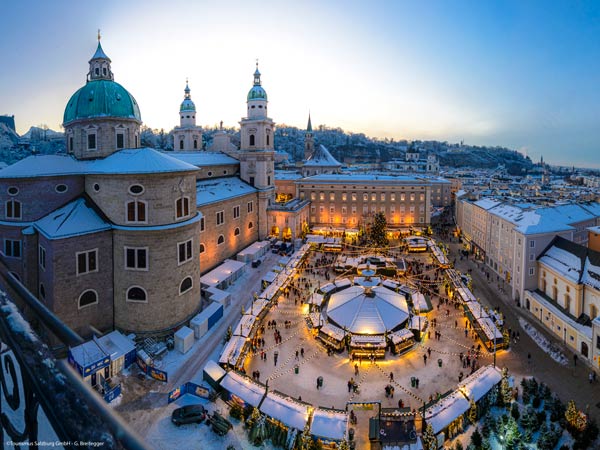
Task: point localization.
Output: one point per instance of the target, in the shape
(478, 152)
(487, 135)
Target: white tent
(244, 388)
(286, 410)
(329, 425)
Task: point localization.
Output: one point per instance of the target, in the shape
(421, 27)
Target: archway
(287, 233)
(584, 349)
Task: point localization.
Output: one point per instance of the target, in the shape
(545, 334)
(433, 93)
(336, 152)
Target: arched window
(136, 211)
(220, 240)
(251, 139)
(89, 297)
(195, 143)
(185, 285)
(250, 225)
(181, 145)
(182, 207)
(202, 248)
(13, 209)
(236, 232)
(136, 294)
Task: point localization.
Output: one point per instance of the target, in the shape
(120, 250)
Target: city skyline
(522, 76)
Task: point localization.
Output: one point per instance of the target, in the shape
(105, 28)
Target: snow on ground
(547, 346)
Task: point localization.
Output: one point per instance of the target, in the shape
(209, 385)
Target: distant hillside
(37, 140)
(346, 147)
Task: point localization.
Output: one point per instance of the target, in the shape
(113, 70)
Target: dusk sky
(523, 74)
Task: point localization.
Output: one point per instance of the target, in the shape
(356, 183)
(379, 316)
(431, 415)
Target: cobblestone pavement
(568, 382)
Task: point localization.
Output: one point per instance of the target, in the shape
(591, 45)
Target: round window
(136, 189)
(61, 188)
(13, 190)
(96, 187)
(209, 174)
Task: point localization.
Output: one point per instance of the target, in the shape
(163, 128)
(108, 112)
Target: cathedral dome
(187, 105)
(257, 93)
(101, 98)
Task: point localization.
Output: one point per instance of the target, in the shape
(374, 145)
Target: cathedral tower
(187, 136)
(257, 165)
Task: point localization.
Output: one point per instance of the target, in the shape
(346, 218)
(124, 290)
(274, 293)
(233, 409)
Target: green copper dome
(257, 93)
(101, 98)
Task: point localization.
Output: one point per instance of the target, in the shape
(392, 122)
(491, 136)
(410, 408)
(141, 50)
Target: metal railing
(44, 400)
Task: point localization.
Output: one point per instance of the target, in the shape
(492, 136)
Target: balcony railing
(44, 402)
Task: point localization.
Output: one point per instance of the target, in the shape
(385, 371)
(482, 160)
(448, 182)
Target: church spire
(100, 64)
(256, 75)
(309, 126)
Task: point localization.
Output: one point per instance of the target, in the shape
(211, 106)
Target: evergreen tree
(377, 233)
(476, 439)
(505, 389)
(429, 440)
(472, 412)
(571, 414)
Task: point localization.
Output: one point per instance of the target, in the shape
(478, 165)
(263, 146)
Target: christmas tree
(505, 389)
(377, 233)
(429, 440)
(571, 414)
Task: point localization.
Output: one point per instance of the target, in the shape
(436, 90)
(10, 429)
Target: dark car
(256, 263)
(188, 414)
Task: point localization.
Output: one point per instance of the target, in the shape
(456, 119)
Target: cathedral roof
(322, 157)
(128, 161)
(74, 219)
(99, 99)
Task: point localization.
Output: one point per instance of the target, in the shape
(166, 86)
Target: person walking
(424, 358)
(391, 376)
(355, 369)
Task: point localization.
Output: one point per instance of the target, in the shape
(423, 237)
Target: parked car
(256, 263)
(188, 414)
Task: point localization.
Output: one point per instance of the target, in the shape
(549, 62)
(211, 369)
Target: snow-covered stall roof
(419, 302)
(218, 190)
(390, 284)
(286, 410)
(315, 299)
(269, 277)
(253, 251)
(329, 425)
(76, 218)
(418, 323)
(270, 291)
(481, 382)
(442, 413)
(233, 350)
(327, 288)
(258, 305)
(222, 273)
(244, 326)
(243, 387)
(214, 371)
(115, 344)
(333, 331)
(489, 328)
(401, 335)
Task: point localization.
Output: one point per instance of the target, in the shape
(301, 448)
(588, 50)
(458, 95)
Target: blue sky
(521, 74)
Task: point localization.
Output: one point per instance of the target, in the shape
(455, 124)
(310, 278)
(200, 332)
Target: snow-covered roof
(222, 272)
(486, 203)
(329, 424)
(322, 158)
(442, 413)
(286, 410)
(137, 160)
(241, 386)
(287, 175)
(233, 350)
(361, 178)
(244, 326)
(43, 165)
(326, 288)
(127, 161)
(401, 335)
(363, 313)
(76, 218)
(88, 353)
(220, 189)
(115, 344)
(201, 159)
(481, 382)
